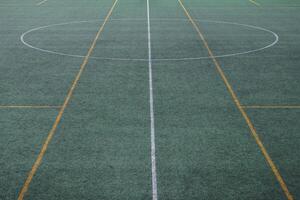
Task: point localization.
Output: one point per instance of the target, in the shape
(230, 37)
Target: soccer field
(149, 99)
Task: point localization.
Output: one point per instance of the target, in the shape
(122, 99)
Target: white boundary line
(152, 126)
(40, 3)
(276, 39)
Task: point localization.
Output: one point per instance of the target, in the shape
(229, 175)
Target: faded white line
(152, 126)
(40, 3)
(275, 41)
(254, 2)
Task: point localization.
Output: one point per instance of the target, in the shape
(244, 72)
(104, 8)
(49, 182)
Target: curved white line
(22, 38)
(47, 26)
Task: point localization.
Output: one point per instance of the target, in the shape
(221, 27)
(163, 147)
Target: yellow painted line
(271, 107)
(64, 106)
(42, 2)
(241, 109)
(254, 2)
(28, 106)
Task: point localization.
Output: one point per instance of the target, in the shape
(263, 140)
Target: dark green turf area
(22, 134)
(102, 146)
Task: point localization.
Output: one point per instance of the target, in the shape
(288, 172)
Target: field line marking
(241, 109)
(271, 106)
(28, 106)
(61, 112)
(152, 125)
(276, 39)
(254, 2)
(42, 2)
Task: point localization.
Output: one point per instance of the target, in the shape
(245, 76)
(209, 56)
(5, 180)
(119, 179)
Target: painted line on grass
(63, 108)
(29, 106)
(239, 106)
(271, 106)
(274, 42)
(254, 2)
(42, 2)
(152, 125)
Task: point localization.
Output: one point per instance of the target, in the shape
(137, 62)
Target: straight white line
(40, 3)
(153, 157)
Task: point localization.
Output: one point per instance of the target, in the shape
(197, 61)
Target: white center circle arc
(276, 39)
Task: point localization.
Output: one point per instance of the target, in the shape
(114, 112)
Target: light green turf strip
(102, 147)
(27, 77)
(204, 147)
(33, 77)
(205, 150)
(269, 77)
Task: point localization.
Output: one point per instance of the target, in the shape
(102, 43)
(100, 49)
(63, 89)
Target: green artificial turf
(102, 146)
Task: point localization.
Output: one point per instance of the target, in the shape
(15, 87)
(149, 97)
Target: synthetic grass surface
(101, 148)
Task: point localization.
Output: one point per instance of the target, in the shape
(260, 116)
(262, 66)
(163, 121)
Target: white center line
(40, 3)
(153, 157)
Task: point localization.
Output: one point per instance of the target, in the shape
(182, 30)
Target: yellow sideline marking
(61, 112)
(40, 3)
(271, 107)
(28, 106)
(254, 2)
(241, 109)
